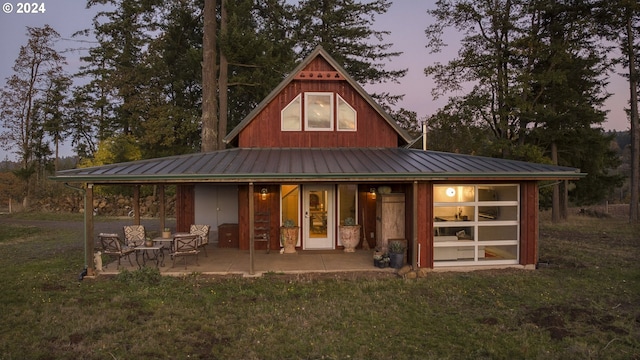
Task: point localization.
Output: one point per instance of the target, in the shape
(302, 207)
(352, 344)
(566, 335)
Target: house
(318, 150)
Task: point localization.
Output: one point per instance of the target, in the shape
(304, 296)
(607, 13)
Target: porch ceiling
(316, 164)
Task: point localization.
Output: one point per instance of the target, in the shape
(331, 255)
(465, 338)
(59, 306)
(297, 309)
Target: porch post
(414, 225)
(88, 230)
(162, 208)
(251, 230)
(136, 204)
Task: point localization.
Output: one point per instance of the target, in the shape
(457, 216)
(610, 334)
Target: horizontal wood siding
(265, 130)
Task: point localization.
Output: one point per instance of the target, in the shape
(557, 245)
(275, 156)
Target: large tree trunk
(223, 79)
(635, 128)
(209, 102)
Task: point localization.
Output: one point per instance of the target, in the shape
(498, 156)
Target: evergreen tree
(619, 22)
(344, 28)
(535, 69)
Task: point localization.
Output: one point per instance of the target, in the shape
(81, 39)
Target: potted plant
(166, 233)
(148, 242)
(381, 260)
(289, 236)
(396, 254)
(349, 234)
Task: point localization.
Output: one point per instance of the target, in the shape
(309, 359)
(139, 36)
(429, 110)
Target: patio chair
(134, 235)
(203, 232)
(112, 246)
(185, 245)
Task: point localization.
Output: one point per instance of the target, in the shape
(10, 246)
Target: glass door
(318, 228)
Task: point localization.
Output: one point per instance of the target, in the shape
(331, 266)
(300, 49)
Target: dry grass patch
(583, 305)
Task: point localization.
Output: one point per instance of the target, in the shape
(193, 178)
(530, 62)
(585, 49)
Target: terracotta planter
(289, 238)
(349, 236)
(148, 243)
(166, 234)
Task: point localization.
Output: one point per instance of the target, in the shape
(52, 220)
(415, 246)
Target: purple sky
(406, 20)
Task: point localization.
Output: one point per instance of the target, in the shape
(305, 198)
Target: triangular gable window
(292, 115)
(346, 116)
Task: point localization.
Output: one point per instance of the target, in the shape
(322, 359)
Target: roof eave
(272, 177)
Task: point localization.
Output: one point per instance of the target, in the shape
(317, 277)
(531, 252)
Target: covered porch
(232, 261)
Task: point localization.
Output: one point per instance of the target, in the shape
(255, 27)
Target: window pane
(453, 193)
(290, 200)
(453, 233)
(497, 233)
(508, 252)
(319, 112)
(500, 213)
(346, 116)
(453, 213)
(291, 120)
(498, 193)
(347, 195)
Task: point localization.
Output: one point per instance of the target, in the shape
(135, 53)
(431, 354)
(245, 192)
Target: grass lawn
(585, 304)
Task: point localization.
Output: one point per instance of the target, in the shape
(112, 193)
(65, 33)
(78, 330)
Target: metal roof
(316, 165)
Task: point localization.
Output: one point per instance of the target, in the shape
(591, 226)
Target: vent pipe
(424, 136)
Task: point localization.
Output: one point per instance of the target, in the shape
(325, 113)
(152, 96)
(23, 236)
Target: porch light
(263, 194)
(372, 191)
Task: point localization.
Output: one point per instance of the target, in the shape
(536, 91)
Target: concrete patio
(226, 261)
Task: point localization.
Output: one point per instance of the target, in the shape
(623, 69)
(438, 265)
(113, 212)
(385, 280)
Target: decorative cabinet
(390, 219)
(228, 236)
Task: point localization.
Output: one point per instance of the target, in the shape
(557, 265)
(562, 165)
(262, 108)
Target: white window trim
(331, 112)
(298, 97)
(355, 120)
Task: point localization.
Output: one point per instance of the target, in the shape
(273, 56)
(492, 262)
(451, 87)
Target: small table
(167, 243)
(145, 251)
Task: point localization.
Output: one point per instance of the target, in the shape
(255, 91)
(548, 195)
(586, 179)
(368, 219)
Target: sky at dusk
(406, 20)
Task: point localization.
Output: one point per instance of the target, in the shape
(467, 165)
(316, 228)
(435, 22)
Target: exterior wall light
(263, 194)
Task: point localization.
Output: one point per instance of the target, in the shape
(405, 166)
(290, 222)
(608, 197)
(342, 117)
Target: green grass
(583, 305)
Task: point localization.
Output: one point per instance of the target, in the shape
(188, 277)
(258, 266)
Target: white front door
(318, 208)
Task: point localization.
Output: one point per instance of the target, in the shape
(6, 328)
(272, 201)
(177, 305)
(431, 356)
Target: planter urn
(350, 237)
(289, 238)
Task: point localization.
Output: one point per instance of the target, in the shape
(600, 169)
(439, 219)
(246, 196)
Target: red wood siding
(425, 224)
(265, 131)
(529, 223)
(243, 217)
(367, 214)
(270, 205)
(185, 207)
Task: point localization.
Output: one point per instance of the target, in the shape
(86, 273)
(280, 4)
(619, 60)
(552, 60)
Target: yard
(583, 303)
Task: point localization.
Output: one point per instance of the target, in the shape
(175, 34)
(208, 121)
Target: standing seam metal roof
(309, 164)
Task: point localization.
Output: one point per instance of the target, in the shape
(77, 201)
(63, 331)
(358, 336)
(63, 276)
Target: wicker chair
(112, 246)
(185, 245)
(203, 232)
